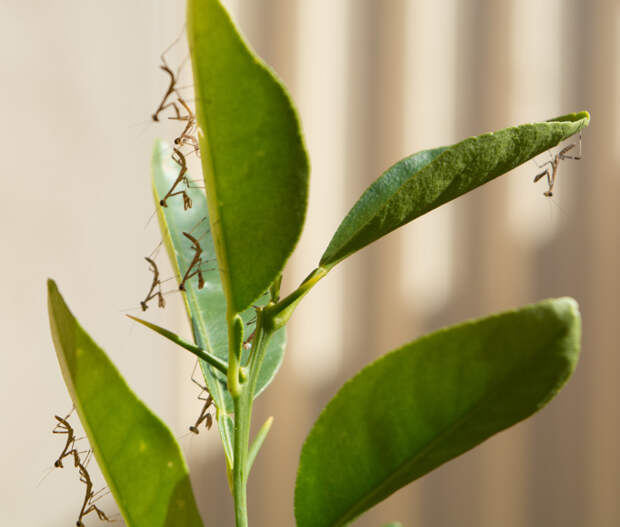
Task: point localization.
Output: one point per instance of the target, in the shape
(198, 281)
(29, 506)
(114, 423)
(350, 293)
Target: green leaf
(393, 524)
(140, 459)
(203, 355)
(429, 401)
(253, 157)
(258, 442)
(428, 179)
(206, 307)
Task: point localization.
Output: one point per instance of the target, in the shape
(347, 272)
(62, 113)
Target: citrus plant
(401, 416)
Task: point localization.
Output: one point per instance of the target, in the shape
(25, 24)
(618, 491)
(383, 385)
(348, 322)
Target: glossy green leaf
(393, 524)
(138, 455)
(429, 401)
(428, 179)
(206, 307)
(253, 157)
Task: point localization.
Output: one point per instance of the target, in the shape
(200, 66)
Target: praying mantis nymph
(179, 158)
(205, 416)
(63, 427)
(195, 263)
(90, 497)
(554, 162)
(187, 136)
(163, 105)
(156, 284)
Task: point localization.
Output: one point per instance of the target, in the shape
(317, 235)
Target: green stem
(239, 480)
(243, 403)
(268, 320)
(277, 315)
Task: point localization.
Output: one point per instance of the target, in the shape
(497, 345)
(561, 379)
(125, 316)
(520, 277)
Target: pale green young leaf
(206, 306)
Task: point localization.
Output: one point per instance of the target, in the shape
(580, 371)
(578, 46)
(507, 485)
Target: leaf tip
(566, 312)
(55, 302)
(583, 116)
(51, 286)
(567, 309)
(141, 321)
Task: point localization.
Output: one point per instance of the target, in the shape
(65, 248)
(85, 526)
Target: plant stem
(268, 320)
(242, 425)
(243, 403)
(278, 314)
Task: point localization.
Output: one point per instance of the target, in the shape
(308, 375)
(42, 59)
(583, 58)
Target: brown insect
(63, 427)
(156, 284)
(90, 497)
(187, 136)
(195, 264)
(88, 506)
(164, 104)
(554, 162)
(205, 416)
(179, 158)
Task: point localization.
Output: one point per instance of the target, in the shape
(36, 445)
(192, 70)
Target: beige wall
(374, 81)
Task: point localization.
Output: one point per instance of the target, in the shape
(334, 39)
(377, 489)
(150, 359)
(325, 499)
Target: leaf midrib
(342, 253)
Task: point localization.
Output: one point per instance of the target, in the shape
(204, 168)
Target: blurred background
(373, 81)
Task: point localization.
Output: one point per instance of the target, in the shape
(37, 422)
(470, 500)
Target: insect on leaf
(424, 181)
(206, 306)
(137, 453)
(254, 160)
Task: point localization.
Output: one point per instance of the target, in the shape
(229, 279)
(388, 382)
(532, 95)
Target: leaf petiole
(277, 315)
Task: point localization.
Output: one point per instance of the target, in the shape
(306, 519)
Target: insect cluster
(80, 463)
(186, 143)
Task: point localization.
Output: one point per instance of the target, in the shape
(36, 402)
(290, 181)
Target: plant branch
(243, 403)
(277, 315)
